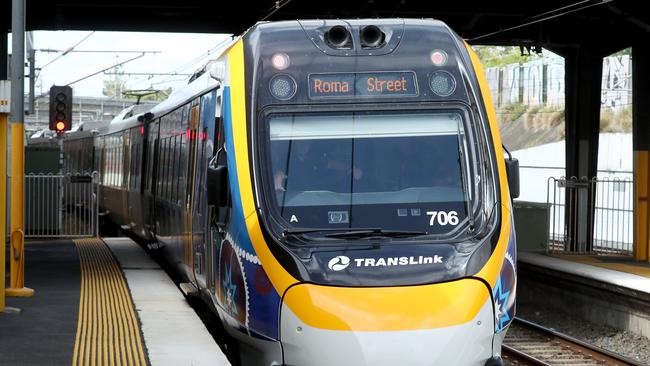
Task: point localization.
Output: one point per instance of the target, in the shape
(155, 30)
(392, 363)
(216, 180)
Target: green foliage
(625, 51)
(511, 112)
(498, 56)
(113, 87)
(620, 121)
(543, 118)
(160, 96)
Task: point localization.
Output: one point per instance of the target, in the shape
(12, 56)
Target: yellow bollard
(17, 256)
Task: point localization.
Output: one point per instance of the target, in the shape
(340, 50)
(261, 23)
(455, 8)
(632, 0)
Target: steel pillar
(17, 237)
(4, 55)
(641, 145)
(583, 79)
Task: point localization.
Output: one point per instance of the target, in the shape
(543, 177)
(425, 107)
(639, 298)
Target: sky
(176, 52)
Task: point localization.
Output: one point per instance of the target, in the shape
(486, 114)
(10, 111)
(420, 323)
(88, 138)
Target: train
(335, 190)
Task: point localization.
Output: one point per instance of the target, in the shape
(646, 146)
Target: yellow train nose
(387, 308)
(448, 323)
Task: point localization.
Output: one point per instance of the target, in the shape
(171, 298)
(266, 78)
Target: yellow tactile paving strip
(108, 331)
(624, 265)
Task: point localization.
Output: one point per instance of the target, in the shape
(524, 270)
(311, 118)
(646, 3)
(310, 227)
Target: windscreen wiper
(463, 179)
(361, 233)
(315, 230)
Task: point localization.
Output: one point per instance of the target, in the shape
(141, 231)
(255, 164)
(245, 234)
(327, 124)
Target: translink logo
(342, 262)
(339, 263)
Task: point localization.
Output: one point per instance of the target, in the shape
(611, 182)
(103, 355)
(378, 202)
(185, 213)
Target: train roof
(199, 83)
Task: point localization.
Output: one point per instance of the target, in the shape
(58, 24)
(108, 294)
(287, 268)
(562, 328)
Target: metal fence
(61, 206)
(611, 224)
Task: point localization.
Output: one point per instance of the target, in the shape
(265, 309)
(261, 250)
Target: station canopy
(611, 24)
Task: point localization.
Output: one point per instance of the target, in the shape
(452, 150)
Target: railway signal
(60, 108)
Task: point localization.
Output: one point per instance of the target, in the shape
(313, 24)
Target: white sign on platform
(5, 96)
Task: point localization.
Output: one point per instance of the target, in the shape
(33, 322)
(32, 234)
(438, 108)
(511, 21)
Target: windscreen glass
(389, 170)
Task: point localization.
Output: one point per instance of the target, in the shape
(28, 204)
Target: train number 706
(443, 218)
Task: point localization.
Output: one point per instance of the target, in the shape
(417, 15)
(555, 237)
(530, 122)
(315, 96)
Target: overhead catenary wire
(556, 13)
(277, 6)
(68, 50)
(178, 70)
(107, 68)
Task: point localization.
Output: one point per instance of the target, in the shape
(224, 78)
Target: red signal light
(60, 126)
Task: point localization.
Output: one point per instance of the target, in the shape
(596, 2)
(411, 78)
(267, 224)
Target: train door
(150, 182)
(125, 165)
(193, 146)
(202, 252)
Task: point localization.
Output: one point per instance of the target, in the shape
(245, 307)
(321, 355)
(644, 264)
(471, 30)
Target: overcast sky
(178, 52)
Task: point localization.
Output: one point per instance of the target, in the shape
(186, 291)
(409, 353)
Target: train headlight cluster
(283, 86)
(442, 83)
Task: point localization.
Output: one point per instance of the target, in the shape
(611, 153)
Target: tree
(114, 86)
(497, 56)
(161, 95)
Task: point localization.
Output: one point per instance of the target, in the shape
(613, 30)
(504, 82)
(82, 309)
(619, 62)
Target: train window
(173, 169)
(111, 153)
(126, 159)
(165, 166)
(120, 161)
(176, 166)
(390, 170)
(152, 138)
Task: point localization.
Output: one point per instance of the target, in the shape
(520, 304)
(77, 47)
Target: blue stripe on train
(263, 299)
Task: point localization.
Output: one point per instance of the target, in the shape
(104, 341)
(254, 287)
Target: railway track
(530, 344)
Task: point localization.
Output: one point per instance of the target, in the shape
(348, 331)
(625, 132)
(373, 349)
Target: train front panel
(369, 218)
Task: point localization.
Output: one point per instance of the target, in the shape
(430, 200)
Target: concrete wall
(541, 83)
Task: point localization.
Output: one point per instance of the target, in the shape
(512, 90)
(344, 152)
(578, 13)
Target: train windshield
(389, 170)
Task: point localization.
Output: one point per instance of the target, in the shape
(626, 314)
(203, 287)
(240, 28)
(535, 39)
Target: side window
(220, 138)
(126, 159)
(120, 168)
(162, 159)
(151, 155)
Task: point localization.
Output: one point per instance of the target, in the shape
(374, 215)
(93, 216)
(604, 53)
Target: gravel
(625, 343)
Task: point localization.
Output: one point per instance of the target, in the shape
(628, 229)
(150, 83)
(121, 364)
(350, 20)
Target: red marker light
(142, 130)
(60, 126)
(280, 61)
(439, 57)
(203, 136)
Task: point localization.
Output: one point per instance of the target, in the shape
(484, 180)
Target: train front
(378, 206)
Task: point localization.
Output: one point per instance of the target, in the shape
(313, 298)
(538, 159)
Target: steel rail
(540, 345)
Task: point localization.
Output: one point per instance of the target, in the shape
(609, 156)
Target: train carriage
(336, 190)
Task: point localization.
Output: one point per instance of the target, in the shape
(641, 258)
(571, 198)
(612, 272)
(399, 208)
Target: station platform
(608, 290)
(619, 271)
(101, 302)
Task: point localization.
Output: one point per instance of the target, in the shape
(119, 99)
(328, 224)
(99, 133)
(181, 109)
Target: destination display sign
(366, 84)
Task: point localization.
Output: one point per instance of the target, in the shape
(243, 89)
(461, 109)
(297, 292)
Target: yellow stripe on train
(367, 309)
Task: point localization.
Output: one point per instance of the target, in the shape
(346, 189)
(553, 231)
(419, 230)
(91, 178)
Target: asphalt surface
(43, 333)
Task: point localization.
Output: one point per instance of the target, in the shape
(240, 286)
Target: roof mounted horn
(338, 37)
(372, 37)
